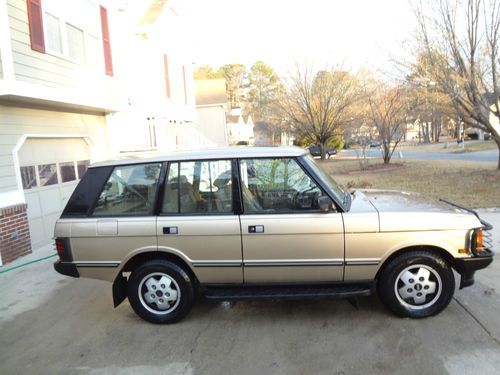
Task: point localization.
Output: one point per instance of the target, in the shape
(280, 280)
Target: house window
(67, 171)
(48, 174)
(67, 29)
(82, 166)
(76, 43)
(53, 34)
(28, 177)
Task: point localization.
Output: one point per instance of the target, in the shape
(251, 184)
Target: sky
(353, 33)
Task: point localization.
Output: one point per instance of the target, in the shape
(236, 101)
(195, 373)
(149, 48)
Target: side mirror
(324, 203)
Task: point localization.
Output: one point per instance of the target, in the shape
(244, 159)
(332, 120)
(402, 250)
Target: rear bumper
(468, 266)
(66, 269)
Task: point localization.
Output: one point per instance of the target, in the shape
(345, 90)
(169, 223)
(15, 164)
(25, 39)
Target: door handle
(170, 230)
(255, 229)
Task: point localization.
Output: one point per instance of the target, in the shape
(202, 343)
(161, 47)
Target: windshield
(335, 188)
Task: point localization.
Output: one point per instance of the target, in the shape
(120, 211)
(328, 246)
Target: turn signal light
(479, 240)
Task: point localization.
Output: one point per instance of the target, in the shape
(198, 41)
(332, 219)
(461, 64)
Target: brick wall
(14, 233)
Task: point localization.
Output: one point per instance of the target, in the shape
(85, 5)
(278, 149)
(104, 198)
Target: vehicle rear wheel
(416, 284)
(160, 291)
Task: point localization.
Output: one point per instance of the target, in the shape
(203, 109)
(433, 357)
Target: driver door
(285, 237)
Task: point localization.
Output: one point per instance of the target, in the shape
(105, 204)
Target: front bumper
(468, 266)
(66, 268)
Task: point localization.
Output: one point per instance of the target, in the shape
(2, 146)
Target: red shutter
(167, 77)
(185, 88)
(106, 43)
(36, 25)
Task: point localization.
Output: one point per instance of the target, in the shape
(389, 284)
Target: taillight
(63, 249)
(60, 247)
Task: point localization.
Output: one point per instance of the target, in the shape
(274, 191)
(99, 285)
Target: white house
(239, 130)
(157, 71)
(80, 81)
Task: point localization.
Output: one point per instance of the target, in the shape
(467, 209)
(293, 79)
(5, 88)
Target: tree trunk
(497, 141)
(322, 150)
(387, 154)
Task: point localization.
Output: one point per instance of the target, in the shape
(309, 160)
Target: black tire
(167, 279)
(402, 282)
(327, 155)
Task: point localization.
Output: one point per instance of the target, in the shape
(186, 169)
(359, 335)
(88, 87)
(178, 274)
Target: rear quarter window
(86, 192)
(130, 190)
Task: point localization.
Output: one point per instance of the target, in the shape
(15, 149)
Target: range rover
(260, 223)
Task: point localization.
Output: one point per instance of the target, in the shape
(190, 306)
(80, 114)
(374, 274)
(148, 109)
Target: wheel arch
(120, 282)
(429, 248)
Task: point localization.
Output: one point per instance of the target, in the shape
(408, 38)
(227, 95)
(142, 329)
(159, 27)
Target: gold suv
(260, 223)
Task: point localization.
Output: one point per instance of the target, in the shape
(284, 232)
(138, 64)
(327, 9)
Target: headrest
(223, 179)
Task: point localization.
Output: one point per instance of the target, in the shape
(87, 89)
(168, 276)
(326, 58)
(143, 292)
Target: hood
(401, 211)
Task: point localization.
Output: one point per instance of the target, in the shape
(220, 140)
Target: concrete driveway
(53, 324)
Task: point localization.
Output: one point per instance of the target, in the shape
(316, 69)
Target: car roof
(209, 153)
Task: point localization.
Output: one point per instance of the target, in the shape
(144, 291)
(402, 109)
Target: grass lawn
(471, 184)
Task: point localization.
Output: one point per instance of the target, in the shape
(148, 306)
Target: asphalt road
(54, 324)
(484, 156)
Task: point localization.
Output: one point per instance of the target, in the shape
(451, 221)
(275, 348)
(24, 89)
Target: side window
(130, 190)
(277, 185)
(198, 187)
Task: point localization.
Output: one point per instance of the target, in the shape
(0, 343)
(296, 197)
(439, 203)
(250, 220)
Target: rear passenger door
(121, 221)
(197, 219)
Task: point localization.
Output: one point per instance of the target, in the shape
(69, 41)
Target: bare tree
(428, 103)
(465, 33)
(387, 112)
(317, 103)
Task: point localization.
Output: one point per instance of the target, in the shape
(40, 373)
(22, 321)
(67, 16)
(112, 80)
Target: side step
(241, 293)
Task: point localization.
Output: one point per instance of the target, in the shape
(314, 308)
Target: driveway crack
(477, 321)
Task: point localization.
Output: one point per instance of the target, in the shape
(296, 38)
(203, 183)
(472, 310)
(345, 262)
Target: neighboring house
(271, 135)
(211, 105)
(157, 72)
(56, 86)
(239, 130)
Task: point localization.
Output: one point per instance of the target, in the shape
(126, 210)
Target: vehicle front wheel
(160, 291)
(416, 284)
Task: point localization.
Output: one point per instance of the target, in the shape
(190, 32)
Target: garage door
(50, 170)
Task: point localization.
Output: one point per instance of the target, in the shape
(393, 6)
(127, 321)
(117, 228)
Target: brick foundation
(14, 233)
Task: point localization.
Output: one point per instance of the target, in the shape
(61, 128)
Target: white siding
(211, 122)
(16, 122)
